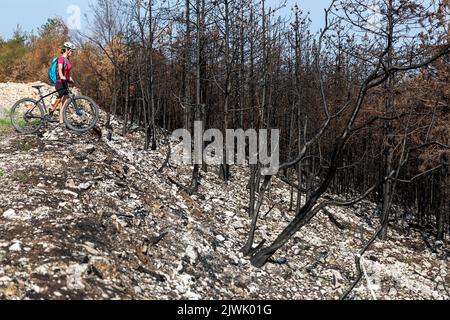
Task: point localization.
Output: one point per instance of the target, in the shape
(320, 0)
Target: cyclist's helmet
(69, 45)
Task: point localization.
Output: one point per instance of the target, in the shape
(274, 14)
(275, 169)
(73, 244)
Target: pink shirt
(66, 68)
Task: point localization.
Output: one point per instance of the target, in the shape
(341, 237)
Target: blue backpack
(53, 72)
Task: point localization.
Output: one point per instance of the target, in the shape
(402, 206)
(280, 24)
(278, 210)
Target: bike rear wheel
(81, 114)
(27, 116)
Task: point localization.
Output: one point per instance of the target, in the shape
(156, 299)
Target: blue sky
(32, 14)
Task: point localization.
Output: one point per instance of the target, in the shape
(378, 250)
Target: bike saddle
(38, 86)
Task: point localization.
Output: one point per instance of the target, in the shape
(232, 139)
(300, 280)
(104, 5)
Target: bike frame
(42, 100)
(48, 95)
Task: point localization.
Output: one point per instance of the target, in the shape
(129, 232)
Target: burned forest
(357, 111)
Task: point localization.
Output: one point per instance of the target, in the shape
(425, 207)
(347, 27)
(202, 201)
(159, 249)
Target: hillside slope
(85, 217)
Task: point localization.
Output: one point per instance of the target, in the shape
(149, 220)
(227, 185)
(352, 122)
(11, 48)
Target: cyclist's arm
(60, 71)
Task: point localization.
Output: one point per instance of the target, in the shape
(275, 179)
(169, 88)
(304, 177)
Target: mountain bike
(80, 114)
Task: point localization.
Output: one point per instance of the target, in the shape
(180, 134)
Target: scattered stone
(5, 279)
(91, 250)
(393, 292)
(192, 254)
(238, 224)
(70, 184)
(37, 289)
(10, 214)
(220, 238)
(70, 193)
(229, 214)
(15, 247)
(85, 186)
(89, 149)
(75, 277)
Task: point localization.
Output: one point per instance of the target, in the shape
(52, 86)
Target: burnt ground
(82, 217)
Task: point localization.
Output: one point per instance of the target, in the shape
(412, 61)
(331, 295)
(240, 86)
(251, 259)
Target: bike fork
(80, 112)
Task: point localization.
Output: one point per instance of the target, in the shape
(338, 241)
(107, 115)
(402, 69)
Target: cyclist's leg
(64, 96)
(64, 102)
(59, 87)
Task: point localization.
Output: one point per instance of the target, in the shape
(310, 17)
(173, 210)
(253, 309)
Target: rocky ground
(83, 217)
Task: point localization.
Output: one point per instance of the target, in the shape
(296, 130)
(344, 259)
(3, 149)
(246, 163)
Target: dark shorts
(63, 87)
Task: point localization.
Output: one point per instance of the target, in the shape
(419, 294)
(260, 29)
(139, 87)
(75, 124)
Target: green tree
(11, 52)
(54, 28)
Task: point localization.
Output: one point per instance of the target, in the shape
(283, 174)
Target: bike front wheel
(81, 114)
(27, 116)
